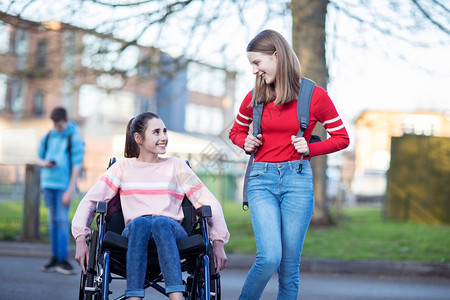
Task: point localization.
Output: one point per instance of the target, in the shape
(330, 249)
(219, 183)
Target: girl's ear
(275, 56)
(138, 138)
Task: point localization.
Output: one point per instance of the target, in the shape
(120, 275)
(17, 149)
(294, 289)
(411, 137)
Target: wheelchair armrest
(204, 211)
(101, 207)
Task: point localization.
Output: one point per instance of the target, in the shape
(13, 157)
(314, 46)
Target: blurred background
(385, 65)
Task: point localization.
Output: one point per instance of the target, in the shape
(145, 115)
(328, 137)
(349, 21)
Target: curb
(314, 265)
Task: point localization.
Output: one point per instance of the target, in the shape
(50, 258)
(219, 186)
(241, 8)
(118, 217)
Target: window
(146, 104)
(94, 102)
(38, 104)
(203, 119)
(69, 50)
(206, 80)
(67, 91)
(16, 97)
(3, 87)
(4, 38)
(20, 48)
(41, 54)
(105, 54)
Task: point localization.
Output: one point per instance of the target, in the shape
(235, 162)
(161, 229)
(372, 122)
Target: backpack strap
(303, 105)
(47, 137)
(69, 148)
(69, 152)
(257, 116)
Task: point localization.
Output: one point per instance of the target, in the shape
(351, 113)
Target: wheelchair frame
(107, 257)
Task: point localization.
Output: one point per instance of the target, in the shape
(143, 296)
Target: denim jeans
(281, 202)
(165, 232)
(58, 222)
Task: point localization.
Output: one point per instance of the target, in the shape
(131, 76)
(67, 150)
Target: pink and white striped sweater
(150, 189)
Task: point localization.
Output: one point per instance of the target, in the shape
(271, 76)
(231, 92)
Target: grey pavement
(244, 261)
(21, 279)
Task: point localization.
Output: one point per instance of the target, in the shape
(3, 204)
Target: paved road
(21, 279)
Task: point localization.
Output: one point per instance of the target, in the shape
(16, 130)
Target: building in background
(374, 130)
(102, 81)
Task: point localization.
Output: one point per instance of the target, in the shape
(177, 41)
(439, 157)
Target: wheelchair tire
(88, 279)
(199, 281)
(215, 287)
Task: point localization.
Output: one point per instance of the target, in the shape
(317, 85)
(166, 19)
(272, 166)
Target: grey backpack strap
(257, 116)
(303, 104)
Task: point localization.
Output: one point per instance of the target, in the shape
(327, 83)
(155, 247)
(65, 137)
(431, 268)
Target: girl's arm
(324, 111)
(103, 190)
(241, 125)
(200, 195)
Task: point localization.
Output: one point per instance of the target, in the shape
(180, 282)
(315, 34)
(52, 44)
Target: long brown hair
(137, 124)
(288, 72)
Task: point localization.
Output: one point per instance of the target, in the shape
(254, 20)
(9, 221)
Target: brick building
(102, 81)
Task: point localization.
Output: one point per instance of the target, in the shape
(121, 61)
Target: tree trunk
(308, 41)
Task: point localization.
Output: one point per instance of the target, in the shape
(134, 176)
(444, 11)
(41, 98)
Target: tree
(308, 39)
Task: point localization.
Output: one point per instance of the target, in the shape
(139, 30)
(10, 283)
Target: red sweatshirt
(280, 122)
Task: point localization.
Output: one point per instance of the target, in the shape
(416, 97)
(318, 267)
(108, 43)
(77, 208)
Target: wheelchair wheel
(215, 287)
(200, 285)
(87, 281)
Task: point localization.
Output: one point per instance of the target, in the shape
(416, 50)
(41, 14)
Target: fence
(23, 215)
(419, 177)
(20, 201)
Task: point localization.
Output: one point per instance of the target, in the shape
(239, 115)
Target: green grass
(361, 233)
(11, 220)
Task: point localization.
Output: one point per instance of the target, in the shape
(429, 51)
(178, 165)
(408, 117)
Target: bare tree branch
(376, 24)
(430, 18)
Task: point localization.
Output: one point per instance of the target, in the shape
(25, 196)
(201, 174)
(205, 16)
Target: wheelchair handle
(101, 207)
(204, 211)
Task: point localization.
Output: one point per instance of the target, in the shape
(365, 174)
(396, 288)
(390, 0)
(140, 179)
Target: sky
(367, 70)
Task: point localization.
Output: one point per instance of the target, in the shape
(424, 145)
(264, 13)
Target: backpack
(69, 148)
(303, 105)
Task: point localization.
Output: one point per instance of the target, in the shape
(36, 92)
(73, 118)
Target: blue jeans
(165, 232)
(58, 222)
(281, 202)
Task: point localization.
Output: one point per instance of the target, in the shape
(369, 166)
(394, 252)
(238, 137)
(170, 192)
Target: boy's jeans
(165, 232)
(281, 202)
(58, 222)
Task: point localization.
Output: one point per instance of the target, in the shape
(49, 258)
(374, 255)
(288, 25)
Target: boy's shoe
(51, 265)
(65, 267)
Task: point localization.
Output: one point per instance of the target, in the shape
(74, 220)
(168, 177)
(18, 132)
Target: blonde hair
(288, 72)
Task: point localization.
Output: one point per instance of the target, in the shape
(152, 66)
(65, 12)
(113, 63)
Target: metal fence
(20, 203)
(12, 183)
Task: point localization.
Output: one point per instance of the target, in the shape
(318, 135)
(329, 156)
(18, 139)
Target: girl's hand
(300, 145)
(220, 258)
(252, 143)
(82, 253)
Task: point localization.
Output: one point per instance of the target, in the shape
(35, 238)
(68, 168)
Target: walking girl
(280, 193)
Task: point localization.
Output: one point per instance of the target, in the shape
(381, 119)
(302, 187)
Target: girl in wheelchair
(151, 190)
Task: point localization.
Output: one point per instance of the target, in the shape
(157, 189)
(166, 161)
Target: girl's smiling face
(155, 138)
(264, 65)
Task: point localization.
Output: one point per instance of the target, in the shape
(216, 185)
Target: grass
(362, 233)
(11, 220)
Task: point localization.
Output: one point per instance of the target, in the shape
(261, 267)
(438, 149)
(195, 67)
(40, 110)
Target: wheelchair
(108, 249)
